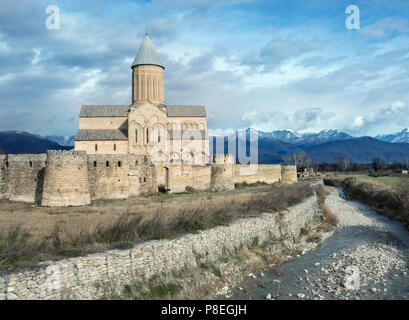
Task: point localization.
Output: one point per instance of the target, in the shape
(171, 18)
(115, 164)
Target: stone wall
(222, 172)
(269, 173)
(120, 176)
(288, 174)
(63, 178)
(3, 177)
(66, 179)
(24, 177)
(182, 176)
(83, 278)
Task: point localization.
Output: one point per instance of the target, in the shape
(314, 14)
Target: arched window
(119, 164)
(107, 164)
(96, 147)
(136, 136)
(147, 135)
(114, 146)
(31, 164)
(95, 163)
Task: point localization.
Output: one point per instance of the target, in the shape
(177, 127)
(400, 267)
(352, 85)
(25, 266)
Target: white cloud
(384, 27)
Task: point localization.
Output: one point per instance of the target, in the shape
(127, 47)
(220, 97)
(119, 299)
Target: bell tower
(147, 75)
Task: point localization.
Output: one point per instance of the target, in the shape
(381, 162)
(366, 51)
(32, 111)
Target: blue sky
(262, 64)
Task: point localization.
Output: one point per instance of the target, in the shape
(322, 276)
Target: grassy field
(29, 234)
(387, 181)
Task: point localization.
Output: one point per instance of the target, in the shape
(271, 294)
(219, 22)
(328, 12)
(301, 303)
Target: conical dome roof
(147, 54)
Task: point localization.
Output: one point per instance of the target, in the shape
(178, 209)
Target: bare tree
(344, 163)
(377, 164)
(288, 159)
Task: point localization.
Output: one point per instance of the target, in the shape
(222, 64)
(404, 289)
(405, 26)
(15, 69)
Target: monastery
(132, 150)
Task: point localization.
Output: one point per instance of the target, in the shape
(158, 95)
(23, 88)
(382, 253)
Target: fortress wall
(25, 177)
(3, 177)
(86, 277)
(222, 172)
(186, 175)
(289, 174)
(269, 173)
(104, 147)
(66, 179)
(120, 176)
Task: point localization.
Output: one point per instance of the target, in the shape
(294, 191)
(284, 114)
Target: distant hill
(270, 148)
(24, 142)
(402, 136)
(66, 141)
(308, 138)
(361, 150)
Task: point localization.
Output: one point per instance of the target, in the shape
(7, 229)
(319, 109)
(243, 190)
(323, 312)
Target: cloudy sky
(269, 65)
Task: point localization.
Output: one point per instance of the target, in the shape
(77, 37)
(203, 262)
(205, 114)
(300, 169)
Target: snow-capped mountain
(305, 139)
(66, 141)
(402, 136)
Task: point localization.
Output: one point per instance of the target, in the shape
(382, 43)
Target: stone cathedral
(148, 126)
(132, 150)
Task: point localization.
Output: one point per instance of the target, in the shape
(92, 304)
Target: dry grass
(330, 220)
(28, 234)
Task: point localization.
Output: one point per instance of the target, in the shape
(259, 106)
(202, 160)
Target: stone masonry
(84, 277)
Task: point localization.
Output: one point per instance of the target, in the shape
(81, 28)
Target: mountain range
(24, 142)
(324, 146)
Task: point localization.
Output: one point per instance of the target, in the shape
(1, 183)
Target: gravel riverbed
(367, 257)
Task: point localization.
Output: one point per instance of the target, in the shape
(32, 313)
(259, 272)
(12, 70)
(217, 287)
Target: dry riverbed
(367, 257)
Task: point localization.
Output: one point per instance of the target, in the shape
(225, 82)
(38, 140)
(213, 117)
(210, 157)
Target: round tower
(147, 75)
(66, 179)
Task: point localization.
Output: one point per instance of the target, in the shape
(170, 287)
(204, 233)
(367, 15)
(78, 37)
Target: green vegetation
(210, 266)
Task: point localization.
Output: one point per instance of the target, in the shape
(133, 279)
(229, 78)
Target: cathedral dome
(147, 54)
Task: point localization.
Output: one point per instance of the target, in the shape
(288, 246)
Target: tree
(288, 159)
(344, 163)
(377, 164)
(299, 159)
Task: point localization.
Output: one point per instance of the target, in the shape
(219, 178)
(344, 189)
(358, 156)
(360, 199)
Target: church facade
(166, 133)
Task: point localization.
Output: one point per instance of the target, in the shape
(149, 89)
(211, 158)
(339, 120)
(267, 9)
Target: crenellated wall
(72, 178)
(24, 177)
(66, 179)
(269, 173)
(222, 172)
(120, 176)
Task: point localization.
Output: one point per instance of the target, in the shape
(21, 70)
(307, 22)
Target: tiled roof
(104, 111)
(91, 111)
(186, 111)
(91, 135)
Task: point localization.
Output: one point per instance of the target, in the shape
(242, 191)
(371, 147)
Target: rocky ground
(367, 257)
